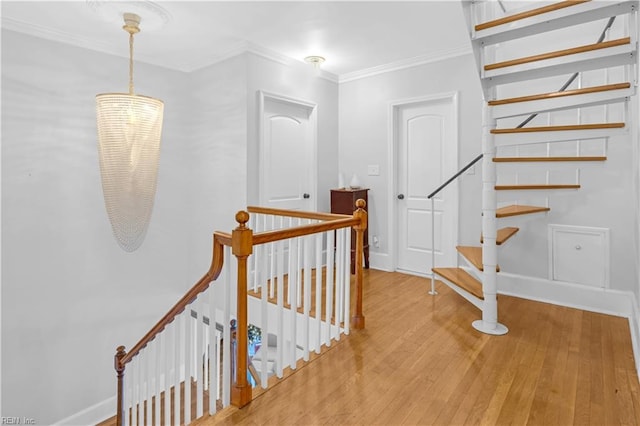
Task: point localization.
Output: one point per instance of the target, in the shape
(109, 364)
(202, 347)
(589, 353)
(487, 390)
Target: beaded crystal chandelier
(129, 132)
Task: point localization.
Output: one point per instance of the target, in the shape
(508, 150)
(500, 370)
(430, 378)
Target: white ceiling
(355, 37)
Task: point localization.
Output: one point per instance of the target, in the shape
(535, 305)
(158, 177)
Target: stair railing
(178, 353)
(433, 223)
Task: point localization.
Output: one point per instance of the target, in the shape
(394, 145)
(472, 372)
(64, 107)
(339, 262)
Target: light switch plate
(373, 170)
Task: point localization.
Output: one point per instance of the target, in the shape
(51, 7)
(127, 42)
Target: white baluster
(347, 279)
(280, 294)
(307, 296)
(167, 350)
(264, 311)
(177, 344)
(319, 282)
(299, 269)
(156, 386)
(188, 362)
(134, 391)
(329, 285)
(198, 374)
(339, 279)
(272, 262)
(226, 364)
(144, 382)
(213, 356)
(126, 394)
(294, 267)
(150, 387)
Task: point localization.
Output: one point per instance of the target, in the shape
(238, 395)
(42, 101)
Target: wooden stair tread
(503, 234)
(474, 255)
(559, 53)
(559, 128)
(536, 186)
(462, 279)
(528, 14)
(552, 95)
(516, 210)
(544, 159)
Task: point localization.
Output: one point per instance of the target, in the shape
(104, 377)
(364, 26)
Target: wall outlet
(376, 241)
(373, 170)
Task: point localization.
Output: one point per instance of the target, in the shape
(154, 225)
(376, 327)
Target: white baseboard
(594, 299)
(634, 326)
(380, 261)
(93, 415)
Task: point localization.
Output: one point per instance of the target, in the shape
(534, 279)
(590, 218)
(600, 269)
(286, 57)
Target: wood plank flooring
(419, 362)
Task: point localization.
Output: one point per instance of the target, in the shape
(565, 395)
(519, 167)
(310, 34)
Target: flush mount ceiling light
(314, 60)
(129, 132)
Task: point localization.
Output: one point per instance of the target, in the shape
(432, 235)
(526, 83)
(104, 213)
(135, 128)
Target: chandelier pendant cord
(131, 63)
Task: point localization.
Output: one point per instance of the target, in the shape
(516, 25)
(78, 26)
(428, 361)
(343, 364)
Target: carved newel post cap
(120, 350)
(360, 203)
(242, 218)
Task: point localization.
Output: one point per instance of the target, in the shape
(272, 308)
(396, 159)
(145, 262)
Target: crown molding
(234, 50)
(77, 41)
(406, 63)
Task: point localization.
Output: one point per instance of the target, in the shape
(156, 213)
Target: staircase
(517, 87)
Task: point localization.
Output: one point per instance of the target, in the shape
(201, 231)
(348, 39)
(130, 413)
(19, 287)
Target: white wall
(300, 82)
(217, 155)
(70, 295)
(364, 121)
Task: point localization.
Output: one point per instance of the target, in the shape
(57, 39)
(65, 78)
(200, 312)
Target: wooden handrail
(559, 128)
(551, 95)
(242, 241)
(299, 231)
(296, 213)
(202, 284)
(559, 53)
(528, 14)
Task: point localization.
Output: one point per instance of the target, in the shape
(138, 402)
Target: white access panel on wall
(579, 254)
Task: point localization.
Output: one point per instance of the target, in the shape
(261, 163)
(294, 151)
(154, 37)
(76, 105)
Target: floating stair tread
(536, 186)
(503, 234)
(474, 255)
(462, 279)
(544, 159)
(559, 128)
(559, 53)
(552, 95)
(527, 14)
(516, 210)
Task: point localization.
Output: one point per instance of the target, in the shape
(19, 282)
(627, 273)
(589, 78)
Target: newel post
(242, 247)
(119, 366)
(357, 320)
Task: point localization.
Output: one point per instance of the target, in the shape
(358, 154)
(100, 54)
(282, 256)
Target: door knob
(400, 196)
(305, 195)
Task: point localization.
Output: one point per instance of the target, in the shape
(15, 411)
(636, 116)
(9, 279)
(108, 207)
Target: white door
(287, 169)
(426, 137)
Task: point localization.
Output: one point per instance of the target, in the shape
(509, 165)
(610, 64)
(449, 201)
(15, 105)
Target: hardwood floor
(419, 361)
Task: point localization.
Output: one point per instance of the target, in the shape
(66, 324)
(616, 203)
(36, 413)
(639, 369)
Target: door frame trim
(392, 152)
(263, 96)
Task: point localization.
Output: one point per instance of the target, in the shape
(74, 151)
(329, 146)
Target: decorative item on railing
(129, 132)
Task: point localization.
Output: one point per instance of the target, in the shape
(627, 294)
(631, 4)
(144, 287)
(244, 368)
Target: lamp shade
(129, 132)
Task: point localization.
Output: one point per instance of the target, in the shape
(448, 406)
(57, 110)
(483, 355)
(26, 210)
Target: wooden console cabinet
(343, 201)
